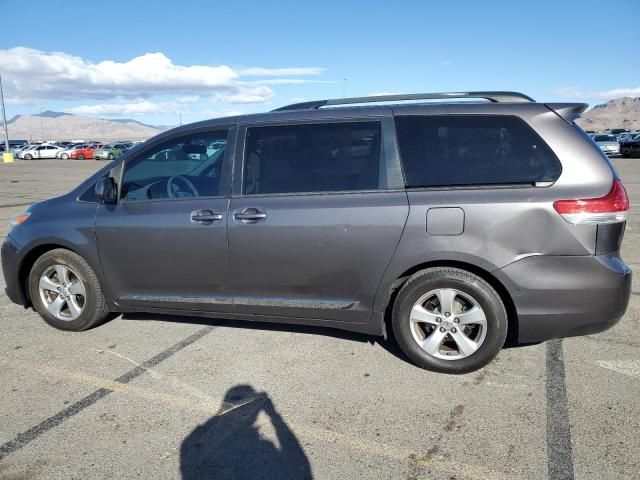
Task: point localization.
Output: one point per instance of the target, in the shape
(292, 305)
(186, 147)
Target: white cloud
(259, 95)
(289, 81)
(220, 113)
(138, 107)
(602, 95)
(187, 100)
(280, 72)
(134, 108)
(31, 74)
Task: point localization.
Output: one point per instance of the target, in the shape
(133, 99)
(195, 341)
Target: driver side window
(188, 166)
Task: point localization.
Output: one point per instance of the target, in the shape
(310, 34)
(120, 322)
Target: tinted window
(605, 138)
(184, 167)
(473, 150)
(326, 157)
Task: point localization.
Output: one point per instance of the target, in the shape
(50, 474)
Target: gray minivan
(456, 225)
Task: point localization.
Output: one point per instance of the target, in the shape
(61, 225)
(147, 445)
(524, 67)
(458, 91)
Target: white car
(41, 151)
(608, 144)
(18, 148)
(65, 153)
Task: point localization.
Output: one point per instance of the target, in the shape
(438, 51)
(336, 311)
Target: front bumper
(565, 296)
(10, 254)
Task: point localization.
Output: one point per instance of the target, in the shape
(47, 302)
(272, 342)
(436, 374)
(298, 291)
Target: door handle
(204, 217)
(249, 215)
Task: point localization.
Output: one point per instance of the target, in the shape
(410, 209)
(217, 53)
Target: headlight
(20, 218)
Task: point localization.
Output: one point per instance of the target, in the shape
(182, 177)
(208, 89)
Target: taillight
(611, 208)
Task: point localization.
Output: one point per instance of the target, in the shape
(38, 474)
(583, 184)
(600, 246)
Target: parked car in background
(631, 146)
(616, 131)
(86, 152)
(40, 152)
(608, 144)
(18, 148)
(13, 145)
(110, 151)
(65, 154)
(621, 137)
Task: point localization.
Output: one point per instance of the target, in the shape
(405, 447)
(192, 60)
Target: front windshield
(605, 138)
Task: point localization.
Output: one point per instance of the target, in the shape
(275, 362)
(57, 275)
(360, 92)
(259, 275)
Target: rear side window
(329, 157)
(457, 150)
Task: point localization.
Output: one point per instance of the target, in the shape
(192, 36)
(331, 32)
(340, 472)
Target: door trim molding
(306, 303)
(177, 299)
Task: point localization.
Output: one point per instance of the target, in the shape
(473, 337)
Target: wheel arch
(505, 296)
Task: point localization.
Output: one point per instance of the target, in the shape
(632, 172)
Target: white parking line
(630, 368)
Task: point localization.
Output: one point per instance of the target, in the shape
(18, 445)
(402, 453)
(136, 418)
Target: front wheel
(64, 156)
(110, 157)
(80, 156)
(65, 291)
(28, 156)
(449, 320)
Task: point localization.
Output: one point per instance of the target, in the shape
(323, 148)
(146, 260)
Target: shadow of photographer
(230, 445)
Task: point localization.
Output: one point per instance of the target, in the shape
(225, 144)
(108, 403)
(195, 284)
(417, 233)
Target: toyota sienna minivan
(453, 224)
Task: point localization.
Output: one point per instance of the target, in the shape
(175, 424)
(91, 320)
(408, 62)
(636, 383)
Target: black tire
(64, 156)
(110, 157)
(484, 294)
(80, 156)
(28, 156)
(95, 309)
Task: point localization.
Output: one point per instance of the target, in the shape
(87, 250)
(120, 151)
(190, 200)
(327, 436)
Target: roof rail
(495, 97)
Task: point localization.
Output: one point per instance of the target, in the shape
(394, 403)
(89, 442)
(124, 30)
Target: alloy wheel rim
(448, 324)
(62, 292)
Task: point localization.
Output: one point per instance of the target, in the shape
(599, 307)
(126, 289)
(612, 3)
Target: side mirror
(106, 190)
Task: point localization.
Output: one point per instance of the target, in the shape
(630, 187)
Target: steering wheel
(178, 193)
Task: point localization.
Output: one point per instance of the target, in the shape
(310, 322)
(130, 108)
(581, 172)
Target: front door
(316, 220)
(164, 244)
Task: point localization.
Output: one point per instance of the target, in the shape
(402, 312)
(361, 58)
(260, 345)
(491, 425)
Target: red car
(86, 152)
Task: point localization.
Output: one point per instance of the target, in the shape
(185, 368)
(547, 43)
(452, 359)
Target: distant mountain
(618, 113)
(45, 114)
(51, 114)
(65, 126)
(129, 120)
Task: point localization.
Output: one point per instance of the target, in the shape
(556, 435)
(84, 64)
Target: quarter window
(328, 157)
(448, 150)
(184, 167)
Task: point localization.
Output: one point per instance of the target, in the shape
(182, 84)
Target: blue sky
(205, 59)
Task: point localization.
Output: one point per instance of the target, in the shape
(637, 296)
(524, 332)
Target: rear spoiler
(568, 111)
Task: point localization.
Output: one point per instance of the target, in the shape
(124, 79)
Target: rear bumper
(566, 296)
(10, 254)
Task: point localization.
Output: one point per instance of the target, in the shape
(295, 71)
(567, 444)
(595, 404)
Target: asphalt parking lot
(166, 397)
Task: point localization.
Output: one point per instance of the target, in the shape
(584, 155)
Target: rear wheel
(80, 156)
(449, 320)
(65, 291)
(28, 156)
